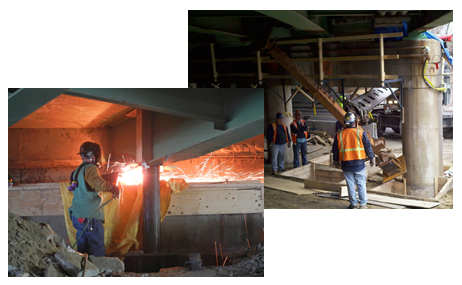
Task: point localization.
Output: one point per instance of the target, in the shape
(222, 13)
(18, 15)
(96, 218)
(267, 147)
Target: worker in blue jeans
(299, 131)
(277, 136)
(350, 149)
(86, 201)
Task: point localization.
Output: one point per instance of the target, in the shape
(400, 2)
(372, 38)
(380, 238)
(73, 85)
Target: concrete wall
(49, 155)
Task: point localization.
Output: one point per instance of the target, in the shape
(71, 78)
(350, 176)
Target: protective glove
(372, 161)
(271, 145)
(115, 191)
(289, 144)
(337, 164)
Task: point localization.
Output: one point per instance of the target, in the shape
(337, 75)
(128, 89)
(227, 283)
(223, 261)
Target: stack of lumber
(320, 138)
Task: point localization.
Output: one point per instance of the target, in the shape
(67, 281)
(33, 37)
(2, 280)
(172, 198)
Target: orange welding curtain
(123, 226)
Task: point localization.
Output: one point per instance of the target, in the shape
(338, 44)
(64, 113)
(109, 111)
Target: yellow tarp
(123, 226)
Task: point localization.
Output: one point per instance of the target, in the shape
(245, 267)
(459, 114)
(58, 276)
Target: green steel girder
(25, 101)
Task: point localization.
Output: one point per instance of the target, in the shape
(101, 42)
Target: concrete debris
(73, 264)
(34, 249)
(54, 270)
(108, 264)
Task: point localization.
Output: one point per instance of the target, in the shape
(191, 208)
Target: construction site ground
(276, 199)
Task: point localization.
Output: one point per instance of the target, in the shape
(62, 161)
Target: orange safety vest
(294, 136)
(350, 144)
(275, 131)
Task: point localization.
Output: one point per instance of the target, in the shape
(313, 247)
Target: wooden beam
(341, 58)
(382, 62)
(260, 75)
(214, 66)
(340, 39)
(321, 71)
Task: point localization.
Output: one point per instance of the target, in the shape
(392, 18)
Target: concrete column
(273, 105)
(422, 133)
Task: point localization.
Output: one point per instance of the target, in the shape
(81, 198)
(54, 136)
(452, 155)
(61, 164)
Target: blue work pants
(297, 147)
(92, 239)
(277, 156)
(358, 178)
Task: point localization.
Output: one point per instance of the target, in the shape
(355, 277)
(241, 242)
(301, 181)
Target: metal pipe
(151, 206)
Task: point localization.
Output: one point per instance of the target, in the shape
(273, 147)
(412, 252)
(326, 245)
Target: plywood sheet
(211, 201)
(35, 202)
(287, 185)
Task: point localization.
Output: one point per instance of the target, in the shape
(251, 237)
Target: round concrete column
(273, 105)
(421, 130)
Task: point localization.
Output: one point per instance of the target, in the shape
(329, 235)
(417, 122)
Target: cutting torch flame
(131, 175)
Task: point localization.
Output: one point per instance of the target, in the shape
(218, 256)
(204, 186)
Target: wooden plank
(36, 186)
(321, 140)
(339, 39)
(448, 186)
(391, 206)
(404, 202)
(382, 62)
(328, 186)
(211, 202)
(341, 58)
(321, 71)
(287, 186)
(302, 172)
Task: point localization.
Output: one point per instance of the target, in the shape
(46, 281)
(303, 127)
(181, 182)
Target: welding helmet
(349, 119)
(87, 147)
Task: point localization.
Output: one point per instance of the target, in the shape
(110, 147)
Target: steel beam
(195, 103)
(25, 101)
(294, 19)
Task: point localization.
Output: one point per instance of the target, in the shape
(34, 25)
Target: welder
(85, 212)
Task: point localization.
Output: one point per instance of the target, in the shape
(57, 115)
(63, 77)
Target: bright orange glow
(131, 175)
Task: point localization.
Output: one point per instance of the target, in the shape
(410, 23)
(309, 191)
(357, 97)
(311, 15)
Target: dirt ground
(275, 199)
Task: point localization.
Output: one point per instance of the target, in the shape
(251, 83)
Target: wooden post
(215, 74)
(404, 186)
(382, 62)
(321, 71)
(260, 75)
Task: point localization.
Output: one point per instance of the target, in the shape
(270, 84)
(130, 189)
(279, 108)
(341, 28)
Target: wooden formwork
(44, 199)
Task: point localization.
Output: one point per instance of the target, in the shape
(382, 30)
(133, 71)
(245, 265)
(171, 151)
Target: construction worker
(350, 148)
(87, 199)
(299, 131)
(277, 136)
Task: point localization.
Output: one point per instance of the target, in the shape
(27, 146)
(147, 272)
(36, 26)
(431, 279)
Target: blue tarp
(386, 30)
(430, 35)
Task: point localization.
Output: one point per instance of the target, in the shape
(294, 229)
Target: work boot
(363, 207)
(352, 207)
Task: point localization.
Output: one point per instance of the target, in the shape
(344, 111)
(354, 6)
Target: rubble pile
(34, 249)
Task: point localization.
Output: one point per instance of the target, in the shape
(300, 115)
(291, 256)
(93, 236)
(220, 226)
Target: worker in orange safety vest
(277, 135)
(299, 131)
(350, 148)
